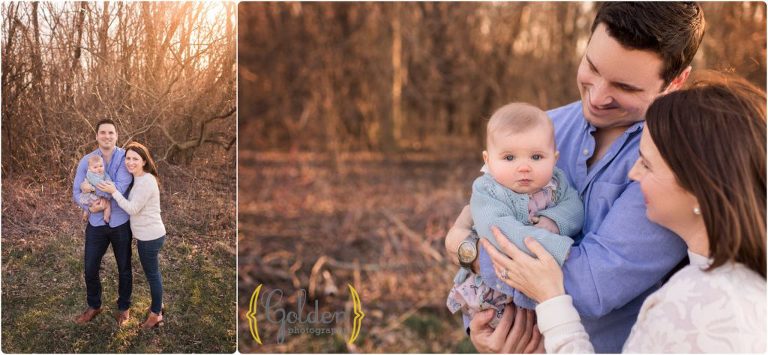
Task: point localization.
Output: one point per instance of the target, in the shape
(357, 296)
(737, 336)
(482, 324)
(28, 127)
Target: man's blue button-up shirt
(120, 176)
(620, 257)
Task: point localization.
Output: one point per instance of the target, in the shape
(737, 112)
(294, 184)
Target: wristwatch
(468, 250)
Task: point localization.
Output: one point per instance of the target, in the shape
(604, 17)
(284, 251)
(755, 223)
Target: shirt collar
(635, 127)
(699, 260)
(101, 154)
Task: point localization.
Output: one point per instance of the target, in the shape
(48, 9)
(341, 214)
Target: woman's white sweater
(143, 205)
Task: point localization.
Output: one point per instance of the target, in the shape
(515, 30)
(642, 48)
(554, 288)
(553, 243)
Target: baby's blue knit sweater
(495, 205)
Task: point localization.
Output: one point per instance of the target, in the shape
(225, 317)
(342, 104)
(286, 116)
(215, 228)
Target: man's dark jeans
(97, 239)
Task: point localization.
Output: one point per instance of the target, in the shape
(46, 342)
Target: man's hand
(516, 332)
(98, 206)
(460, 230)
(545, 223)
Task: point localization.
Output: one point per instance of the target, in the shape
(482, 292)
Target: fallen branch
(413, 236)
(314, 274)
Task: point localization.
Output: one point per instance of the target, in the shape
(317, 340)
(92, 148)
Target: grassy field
(314, 223)
(43, 288)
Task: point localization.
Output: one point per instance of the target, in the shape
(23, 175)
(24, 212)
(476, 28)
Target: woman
(702, 170)
(143, 205)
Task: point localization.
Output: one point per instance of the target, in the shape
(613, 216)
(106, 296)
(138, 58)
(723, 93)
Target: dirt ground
(316, 223)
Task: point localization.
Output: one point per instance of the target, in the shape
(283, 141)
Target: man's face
(617, 84)
(106, 136)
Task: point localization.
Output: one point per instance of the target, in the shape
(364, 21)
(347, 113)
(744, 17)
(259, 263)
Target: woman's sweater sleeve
(561, 327)
(140, 195)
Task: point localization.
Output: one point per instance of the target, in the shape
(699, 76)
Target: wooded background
(163, 71)
(361, 126)
(410, 76)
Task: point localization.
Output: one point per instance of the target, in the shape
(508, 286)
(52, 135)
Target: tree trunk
(391, 128)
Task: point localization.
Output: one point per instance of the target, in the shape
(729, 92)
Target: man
(99, 235)
(636, 52)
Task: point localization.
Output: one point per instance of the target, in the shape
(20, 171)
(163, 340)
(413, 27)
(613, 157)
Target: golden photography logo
(296, 322)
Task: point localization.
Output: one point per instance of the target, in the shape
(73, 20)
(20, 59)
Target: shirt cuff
(555, 312)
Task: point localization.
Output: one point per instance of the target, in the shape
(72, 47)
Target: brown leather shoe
(122, 317)
(87, 315)
(153, 320)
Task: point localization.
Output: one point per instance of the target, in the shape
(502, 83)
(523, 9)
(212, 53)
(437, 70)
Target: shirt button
(498, 285)
(585, 152)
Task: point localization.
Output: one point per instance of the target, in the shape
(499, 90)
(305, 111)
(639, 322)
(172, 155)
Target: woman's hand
(539, 278)
(106, 186)
(516, 333)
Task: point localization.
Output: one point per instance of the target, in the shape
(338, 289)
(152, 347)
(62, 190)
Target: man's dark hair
(104, 121)
(671, 29)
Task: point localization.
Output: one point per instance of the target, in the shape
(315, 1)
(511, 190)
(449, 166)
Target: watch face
(467, 252)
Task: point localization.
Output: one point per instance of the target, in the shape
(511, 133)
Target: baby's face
(522, 162)
(96, 167)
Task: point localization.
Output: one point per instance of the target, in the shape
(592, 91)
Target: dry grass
(43, 288)
(374, 222)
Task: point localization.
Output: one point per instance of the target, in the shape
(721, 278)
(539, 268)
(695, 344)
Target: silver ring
(505, 275)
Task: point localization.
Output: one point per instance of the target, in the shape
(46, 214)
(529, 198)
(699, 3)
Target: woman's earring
(697, 211)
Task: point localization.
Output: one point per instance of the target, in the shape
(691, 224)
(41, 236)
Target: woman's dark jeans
(148, 251)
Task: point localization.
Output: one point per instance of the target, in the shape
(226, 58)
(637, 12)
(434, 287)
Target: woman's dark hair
(713, 136)
(143, 152)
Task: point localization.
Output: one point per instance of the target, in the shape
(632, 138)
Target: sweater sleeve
(568, 213)
(561, 327)
(141, 193)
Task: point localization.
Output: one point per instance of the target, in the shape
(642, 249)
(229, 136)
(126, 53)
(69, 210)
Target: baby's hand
(86, 187)
(545, 223)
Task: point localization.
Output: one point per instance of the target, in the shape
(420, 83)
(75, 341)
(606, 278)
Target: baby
(95, 175)
(521, 184)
